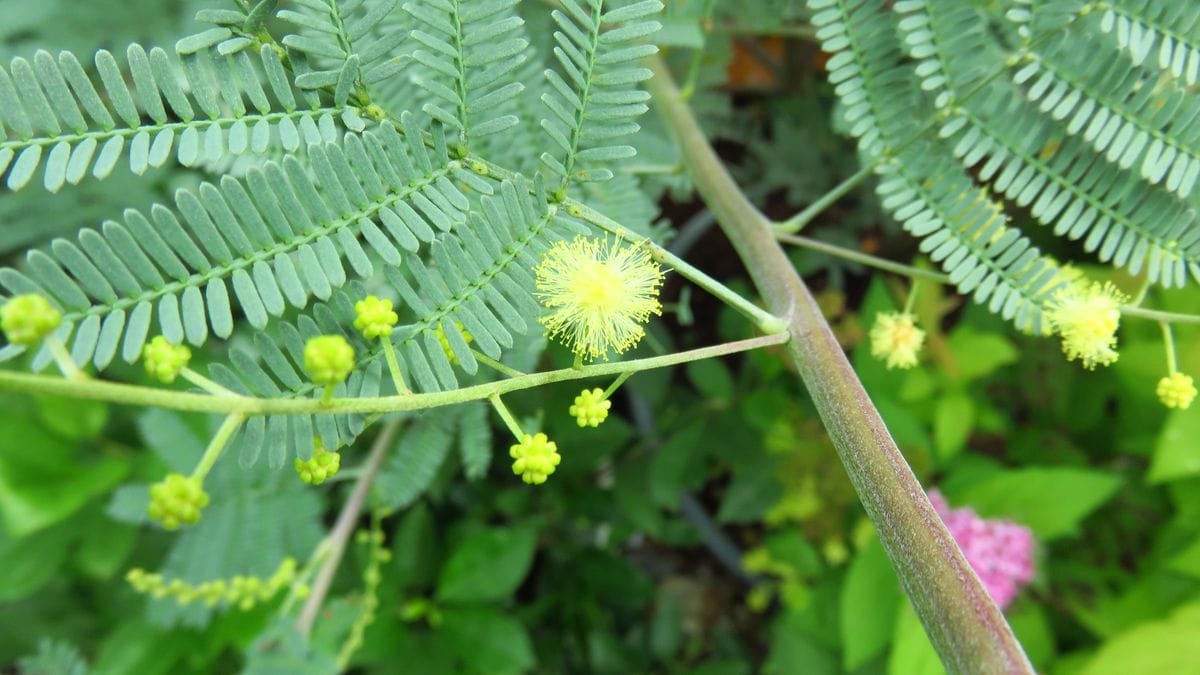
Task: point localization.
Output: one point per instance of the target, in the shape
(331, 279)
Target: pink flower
(1000, 551)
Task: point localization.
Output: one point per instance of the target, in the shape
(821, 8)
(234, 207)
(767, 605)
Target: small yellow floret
(328, 359)
(374, 317)
(590, 408)
(534, 458)
(26, 319)
(896, 339)
(164, 361)
(1176, 391)
(599, 293)
(1086, 316)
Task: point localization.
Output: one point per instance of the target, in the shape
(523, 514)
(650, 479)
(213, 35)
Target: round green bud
(590, 408)
(322, 465)
(177, 500)
(26, 319)
(328, 359)
(163, 360)
(374, 317)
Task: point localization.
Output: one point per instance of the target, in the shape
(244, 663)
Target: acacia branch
(964, 624)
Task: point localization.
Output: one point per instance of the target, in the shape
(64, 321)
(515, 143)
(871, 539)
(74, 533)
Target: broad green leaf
(678, 464)
(488, 640)
(953, 419)
(1051, 501)
(42, 482)
(979, 354)
(487, 565)
(32, 561)
(912, 653)
(1187, 561)
(869, 602)
(711, 378)
(1033, 630)
(1166, 647)
(1176, 453)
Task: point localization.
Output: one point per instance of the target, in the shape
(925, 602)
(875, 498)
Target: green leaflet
(190, 108)
(278, 234)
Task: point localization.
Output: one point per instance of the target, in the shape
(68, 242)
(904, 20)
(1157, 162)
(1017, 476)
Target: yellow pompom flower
(534, 458)
(896, 339)
(374, 317)
(590, 408)
(164, 361)
(1176, 391)
(328, 359)
(1086, 315)
(26, 319)
(599, 293)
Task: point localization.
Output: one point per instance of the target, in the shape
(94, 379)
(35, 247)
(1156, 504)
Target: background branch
(335, 545)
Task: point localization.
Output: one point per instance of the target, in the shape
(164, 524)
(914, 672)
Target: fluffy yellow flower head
(599, 293)
(1086, 316)
(896, 339)
(1176, 391)
(534, 458)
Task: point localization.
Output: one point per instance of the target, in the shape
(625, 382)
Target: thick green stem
(129, 394)
(964, 624)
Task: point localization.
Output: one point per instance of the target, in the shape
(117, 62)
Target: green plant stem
(496, 365)
(864, 258)
(1156, 315)
(327, 395)
(963, 623)
(389, 353)
(205, 383)
(801, 220)
(217, 445)
(1131, 310)
(1169, 344)
(766, 322)
(912, 298)
(505, 414)
(612, 388)
(62, 357)
(130, 394)
(334, 546)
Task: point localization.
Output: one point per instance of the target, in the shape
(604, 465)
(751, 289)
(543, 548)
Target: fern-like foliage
(470, 50)
(276, 238)
(365, 148)
(962, 227)
(1054, 107)
(53, 113)
(593, 102)
(343, 50)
